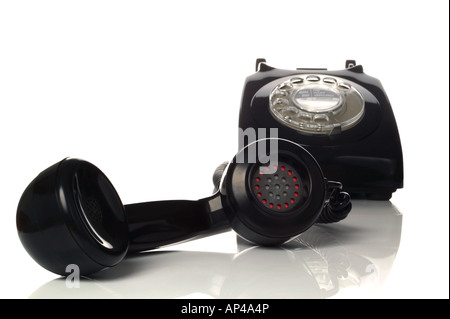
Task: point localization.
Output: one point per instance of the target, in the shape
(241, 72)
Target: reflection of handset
(318, 264)
(343, 118)
(256, 272)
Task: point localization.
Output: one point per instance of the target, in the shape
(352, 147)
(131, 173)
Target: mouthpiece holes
(280, 191)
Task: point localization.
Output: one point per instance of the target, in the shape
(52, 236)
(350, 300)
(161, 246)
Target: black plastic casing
(366, 158)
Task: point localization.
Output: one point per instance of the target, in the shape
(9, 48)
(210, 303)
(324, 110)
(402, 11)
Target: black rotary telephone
(343, 118)
(334, 129)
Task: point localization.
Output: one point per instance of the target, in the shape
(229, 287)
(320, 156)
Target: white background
(149, 91)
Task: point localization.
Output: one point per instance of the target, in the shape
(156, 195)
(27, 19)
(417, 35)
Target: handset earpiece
(71, 213)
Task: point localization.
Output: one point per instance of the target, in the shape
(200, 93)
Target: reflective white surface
(326, 261)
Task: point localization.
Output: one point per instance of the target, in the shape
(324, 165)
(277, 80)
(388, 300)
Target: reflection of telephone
(343, 118)
(352, 257)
